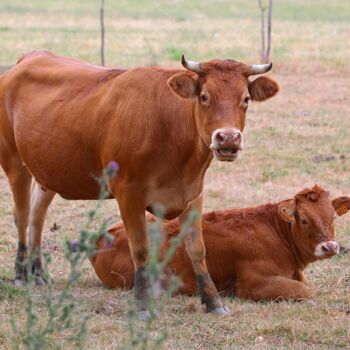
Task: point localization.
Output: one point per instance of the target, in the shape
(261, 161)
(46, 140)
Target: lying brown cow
(254, 253)
(62, 121)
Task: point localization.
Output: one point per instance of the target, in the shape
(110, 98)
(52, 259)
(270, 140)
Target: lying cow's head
(311, 213)
(222, 91)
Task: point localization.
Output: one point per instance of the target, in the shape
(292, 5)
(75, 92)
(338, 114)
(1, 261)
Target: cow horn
(259, 68)
(191, 65)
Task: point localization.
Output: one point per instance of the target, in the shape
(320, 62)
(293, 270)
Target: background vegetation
(299, 138)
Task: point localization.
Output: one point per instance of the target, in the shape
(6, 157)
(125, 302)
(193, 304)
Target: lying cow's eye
(204, 98)
(304, 221)
(246, 99)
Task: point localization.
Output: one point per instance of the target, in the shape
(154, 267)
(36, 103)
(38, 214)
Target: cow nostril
(220, 137)
(325, 248)
(237, 138)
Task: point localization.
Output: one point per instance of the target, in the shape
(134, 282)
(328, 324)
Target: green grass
(8, 292)
(149, 32)
(289, 10)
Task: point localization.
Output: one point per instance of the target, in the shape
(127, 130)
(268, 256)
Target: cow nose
(228, 138)
(330, 248)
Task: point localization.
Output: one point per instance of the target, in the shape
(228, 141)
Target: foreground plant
(157, 292)
(49, 313)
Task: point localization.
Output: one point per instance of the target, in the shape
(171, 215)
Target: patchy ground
(299, 138)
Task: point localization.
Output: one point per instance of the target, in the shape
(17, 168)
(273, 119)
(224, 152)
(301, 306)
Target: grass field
(299, 138)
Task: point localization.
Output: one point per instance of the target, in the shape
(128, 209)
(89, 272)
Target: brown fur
(251, 253)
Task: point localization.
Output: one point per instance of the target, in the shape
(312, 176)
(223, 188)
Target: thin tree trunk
(269, 24)
(102, 32)
(262, 10)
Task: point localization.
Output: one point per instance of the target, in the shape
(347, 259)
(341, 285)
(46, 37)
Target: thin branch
(102, 32)
(269, 24)
(262, 10)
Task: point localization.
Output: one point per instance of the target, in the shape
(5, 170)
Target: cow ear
(262, 88)
(183, 85)
(286, 210)
(341, 205)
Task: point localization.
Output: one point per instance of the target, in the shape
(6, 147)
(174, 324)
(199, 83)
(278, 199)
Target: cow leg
(277, 287)
(39, 203)
(299, 276)
(133, 215)
(20, 181)
(196, 250)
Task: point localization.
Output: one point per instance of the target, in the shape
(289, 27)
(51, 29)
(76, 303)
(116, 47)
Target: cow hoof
(19, 283)
(40, 281)
(143, 315)
(222, 311)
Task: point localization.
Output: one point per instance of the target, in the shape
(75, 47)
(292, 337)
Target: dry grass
(297, 139)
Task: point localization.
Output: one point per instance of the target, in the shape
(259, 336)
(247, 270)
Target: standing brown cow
(63, 120)
(253, 253)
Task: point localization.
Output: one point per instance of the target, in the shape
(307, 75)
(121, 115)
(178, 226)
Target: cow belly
(60, 164)
(68, 181)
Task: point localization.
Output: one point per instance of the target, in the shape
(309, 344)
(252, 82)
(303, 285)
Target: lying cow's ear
(183, 85)
(262, 88)
(286, 210)
(341, 205)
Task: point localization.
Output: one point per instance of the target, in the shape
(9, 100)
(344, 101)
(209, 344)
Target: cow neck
(205, 154)
(304, 255)
(285, 233)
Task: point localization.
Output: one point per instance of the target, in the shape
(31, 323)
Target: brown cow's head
(222, 90)
(311, 213)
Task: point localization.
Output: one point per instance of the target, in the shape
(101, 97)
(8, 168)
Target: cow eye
(204, 98)
(246, 99)
(303, 221)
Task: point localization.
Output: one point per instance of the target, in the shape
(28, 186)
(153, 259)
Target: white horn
(191, 65)
(260, 68)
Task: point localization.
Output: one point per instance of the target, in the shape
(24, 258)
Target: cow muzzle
(326, 249)
(226, 144)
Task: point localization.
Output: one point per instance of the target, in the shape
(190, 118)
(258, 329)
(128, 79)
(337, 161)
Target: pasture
(296, 139)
